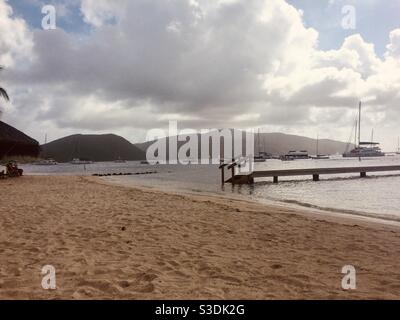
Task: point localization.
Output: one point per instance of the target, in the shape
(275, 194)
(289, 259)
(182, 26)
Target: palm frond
(4, 94)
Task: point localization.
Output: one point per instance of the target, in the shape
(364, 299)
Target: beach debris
(122, 174)
(12, 170)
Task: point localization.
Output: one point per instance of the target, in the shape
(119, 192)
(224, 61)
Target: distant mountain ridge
(106, 147)
(280, 143)
(109, 147)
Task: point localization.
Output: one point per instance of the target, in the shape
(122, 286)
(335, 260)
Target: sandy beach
(112, 242)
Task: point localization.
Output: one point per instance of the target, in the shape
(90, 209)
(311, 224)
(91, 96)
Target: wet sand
(112, 242)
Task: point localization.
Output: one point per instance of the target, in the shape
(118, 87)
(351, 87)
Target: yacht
(296, 155)
(80, 161)
(260, 156)
(363, 149)
(46, 162)
(319, 156)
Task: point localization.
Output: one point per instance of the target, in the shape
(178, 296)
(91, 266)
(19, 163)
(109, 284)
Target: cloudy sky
(131, 65)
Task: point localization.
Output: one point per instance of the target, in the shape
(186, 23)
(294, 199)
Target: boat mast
(317, 145)
(355, 134)
(45, 143)
(359, 124)
(265, 144)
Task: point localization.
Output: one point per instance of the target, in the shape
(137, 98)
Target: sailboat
(79, 161)
(259, 157)
(398, 146)
(46, 161)
(319, 156)
(364, 149)
(119, 160)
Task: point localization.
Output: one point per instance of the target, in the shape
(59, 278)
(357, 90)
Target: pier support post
(276, 179)
(222, 168)
(315, 177)
(363, 174)
(233, 170)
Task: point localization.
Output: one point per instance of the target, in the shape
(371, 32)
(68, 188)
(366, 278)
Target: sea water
(377, 195)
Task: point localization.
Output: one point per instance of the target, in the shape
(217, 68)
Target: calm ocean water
(378, 195)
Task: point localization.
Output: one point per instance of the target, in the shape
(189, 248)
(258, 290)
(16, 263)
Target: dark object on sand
(122, 174)
(13, 170)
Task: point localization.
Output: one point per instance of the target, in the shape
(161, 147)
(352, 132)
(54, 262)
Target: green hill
(107, 147)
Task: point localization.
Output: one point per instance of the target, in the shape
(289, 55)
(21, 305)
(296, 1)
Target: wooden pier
(312, 172)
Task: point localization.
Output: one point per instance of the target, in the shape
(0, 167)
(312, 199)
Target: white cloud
(213, 63)
(394, 46)
(99, 12)
(15, 39)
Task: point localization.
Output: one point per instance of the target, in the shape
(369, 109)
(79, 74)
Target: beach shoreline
(118, 242)
(330, 214)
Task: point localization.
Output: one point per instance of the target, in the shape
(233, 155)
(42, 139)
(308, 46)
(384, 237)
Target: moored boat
(364, 149)
(295, 155)
(80, 161)
(46, 162)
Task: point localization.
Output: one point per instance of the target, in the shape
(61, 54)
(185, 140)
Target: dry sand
(110, 242)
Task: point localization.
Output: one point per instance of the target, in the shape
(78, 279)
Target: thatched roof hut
(16, 143)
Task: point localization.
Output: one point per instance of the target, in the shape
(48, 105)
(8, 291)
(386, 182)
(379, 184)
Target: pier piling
(316, 172)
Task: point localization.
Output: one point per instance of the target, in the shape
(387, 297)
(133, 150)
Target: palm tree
(3, 92)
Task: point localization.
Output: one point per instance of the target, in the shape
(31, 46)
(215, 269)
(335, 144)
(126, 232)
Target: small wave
(325, 178)
(340, 211)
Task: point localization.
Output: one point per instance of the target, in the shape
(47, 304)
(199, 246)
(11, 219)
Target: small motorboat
(46, 162)
(320, 157)
(80, 161)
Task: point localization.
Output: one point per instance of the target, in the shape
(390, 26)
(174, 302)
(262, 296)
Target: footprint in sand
(143, 282)
(105, 286)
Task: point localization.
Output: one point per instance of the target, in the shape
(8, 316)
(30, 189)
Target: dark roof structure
(16, 143)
